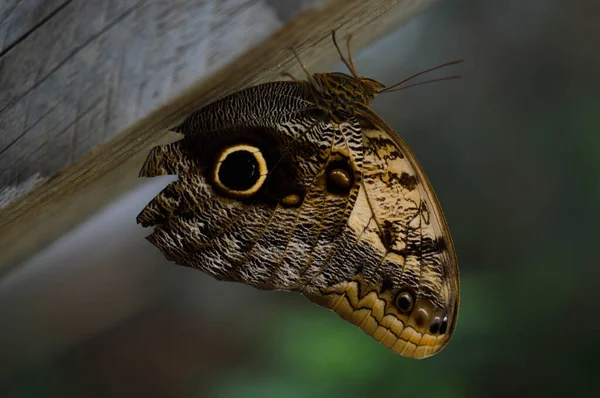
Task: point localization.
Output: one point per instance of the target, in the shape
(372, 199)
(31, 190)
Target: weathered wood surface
(19, 18)
(90, 89)
(96, 67)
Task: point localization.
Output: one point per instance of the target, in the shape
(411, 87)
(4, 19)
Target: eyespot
(421, 317)
(292, 200)
(240, 170)
(405, 302)
(339, 177)
(435, 326)
(444, 325)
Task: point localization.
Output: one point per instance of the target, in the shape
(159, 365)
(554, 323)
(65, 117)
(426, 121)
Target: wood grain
(20, 18)
(93, 98)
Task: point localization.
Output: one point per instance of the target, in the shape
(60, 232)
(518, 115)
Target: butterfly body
(299, 186)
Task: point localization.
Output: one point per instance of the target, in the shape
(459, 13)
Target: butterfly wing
(269, 226)
(273, 193)
(403, 286)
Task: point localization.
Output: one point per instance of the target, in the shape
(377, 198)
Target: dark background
(513, 151)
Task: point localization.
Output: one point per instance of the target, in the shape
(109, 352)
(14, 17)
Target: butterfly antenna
(387, 89)
(349, 47)
(421, 83)
(349, 63)
(288, 74)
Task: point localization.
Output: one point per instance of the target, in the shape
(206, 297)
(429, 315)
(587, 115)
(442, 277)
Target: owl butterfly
(299, 186)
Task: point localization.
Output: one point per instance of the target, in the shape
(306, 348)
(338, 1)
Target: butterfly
(300, 186)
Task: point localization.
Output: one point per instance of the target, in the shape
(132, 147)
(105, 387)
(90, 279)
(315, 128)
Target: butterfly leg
(349, 63)
(309, 76)
(288, 74)
(350, 59)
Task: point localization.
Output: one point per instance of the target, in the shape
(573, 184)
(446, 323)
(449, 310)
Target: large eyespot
(405, 302)
(240, 170)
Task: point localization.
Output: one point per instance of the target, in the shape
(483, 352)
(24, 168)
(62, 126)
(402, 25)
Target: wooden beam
(116, 116)
(19, 19)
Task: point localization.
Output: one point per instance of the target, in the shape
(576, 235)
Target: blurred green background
(513, 151)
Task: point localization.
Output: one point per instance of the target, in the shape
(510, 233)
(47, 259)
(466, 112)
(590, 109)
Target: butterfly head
(340, 94)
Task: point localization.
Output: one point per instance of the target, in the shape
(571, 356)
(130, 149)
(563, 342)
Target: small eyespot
(291, 200)
(444, 325)
(421, 317)
(405, 302)
(435, 325)
(240, 170)
(339, 177)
